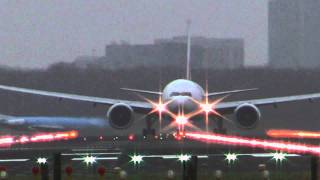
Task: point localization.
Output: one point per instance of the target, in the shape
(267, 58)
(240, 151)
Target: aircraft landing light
(181, 120)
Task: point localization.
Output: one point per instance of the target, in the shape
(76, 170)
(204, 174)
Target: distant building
(294, 33)
(205, 53)
(217, 53)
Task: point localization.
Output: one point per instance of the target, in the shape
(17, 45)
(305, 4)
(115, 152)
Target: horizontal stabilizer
(142, 91)
(231, 92)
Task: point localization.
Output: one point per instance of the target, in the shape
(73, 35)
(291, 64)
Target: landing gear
(149, 131)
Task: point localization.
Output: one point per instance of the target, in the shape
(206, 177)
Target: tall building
(294, 31)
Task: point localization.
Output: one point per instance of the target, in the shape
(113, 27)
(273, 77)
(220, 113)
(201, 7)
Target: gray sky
(35, 33)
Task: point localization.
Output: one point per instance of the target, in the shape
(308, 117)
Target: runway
(116, 151)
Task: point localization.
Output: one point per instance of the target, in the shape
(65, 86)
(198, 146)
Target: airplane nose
(182, 103)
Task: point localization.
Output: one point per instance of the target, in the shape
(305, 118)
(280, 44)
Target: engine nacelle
(247, 116)
(120, 116)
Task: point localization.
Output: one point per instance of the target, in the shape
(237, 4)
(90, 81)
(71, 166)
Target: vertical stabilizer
(188, 50)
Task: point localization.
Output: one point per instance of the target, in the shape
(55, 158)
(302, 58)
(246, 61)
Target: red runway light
(35, 170)
(68, 170)
(282, 146)
(283, 133)
(131, 137)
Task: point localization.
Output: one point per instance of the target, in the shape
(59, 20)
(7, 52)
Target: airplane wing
(142, 91)
(229, 107)
(138, 106)
(231, 92)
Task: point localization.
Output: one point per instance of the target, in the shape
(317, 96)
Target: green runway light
(42, 160)
(184, 157)
(136, 159)
(231, 157)
(89, 160)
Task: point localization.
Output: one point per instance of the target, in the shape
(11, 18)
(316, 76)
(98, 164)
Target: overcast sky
(36, 33)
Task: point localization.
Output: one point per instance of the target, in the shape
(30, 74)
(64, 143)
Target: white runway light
(231, 157)
(184, 157)
(89, 160)
(136, 159)
(279, 157)
(42, 160)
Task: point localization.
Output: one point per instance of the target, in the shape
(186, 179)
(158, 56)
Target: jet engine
(247, 116)
(120, 116)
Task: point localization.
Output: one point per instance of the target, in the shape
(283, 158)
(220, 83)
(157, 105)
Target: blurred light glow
(131, 137)
(279, 157)
(89, 160)
(136, 159)
(288, 147)
(42, 160)
(184, 157)
(231, 157)
(285, 133)
(181, 120)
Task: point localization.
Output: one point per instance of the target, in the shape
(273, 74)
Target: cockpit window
(181, 94)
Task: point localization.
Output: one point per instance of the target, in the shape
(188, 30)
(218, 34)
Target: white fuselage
(183, 95)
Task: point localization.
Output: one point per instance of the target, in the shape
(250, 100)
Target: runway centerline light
(89, 160)
(279, 157)
(42, 160)
(231, 157)
(136, 159)
(184, 157)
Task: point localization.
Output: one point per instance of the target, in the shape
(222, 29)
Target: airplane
(181, 103)
(85, 126)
